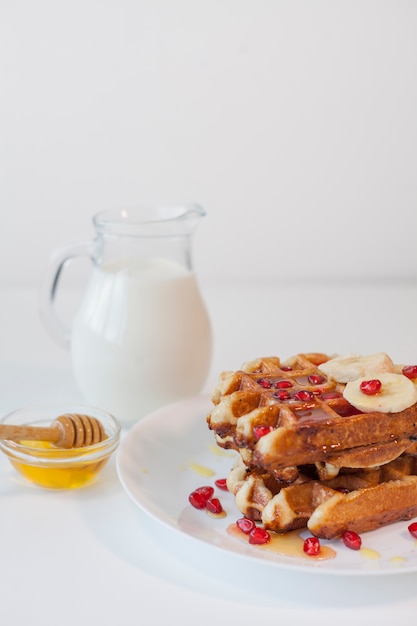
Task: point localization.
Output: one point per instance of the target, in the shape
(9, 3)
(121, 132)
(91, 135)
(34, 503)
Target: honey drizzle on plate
(370, 554)
(288, 544)
(201, 470)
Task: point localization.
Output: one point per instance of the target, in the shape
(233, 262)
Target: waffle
(307, 457)
(316, 424)
(360, 500)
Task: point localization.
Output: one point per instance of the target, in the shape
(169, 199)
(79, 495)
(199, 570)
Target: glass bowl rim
(60, 455)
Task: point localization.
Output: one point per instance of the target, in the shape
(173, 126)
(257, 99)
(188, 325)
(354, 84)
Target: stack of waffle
(314, 449)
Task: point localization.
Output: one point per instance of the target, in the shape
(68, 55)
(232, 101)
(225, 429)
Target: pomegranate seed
(352, 540)
(245, 525)
(410, 371)
(316, 379)
(282, 395)
(370, 387)
(312, 546)
(214, 506)
(412, 529)
(261, 431)
(265, 383)
(259, 535)
(198, 498)
(283, 384)
(221, 483)
(206, 491)
(286, 368)
(304, 395)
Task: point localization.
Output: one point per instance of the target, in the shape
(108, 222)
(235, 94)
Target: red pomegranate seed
(261, 431)
(304, 395)
(198, 498)
(412, 529)
(282, 395)
(265, 383)
(206, 491)
(259, 535)
(312, 546)
(352, 540)
(214, 506)
(410, 371)
(316, 379)
(221, 483)
(370, 387)
(283, 384)
(245, 525)
(286, 368)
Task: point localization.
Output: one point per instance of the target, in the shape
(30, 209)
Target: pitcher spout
(191, 216)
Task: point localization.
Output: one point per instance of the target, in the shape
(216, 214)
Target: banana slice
(343, 369)
(397, 393)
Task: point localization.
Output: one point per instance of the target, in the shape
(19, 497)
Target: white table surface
(90, 556)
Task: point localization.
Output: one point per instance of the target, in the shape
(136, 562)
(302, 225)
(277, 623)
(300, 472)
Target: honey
(57, 473)
(370, 554)
(216, 515)
(397, 560)
(202, 470)
(288, 544)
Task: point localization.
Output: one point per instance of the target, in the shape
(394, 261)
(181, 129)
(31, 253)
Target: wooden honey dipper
(71, 430)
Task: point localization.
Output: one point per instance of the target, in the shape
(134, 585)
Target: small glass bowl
(47, 465)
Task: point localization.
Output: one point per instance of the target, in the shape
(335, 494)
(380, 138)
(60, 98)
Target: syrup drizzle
(368, 553)
(216, 515)
(288, 544)
(397, 560)
(201, 470)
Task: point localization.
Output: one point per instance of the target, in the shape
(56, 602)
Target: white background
(293, 122)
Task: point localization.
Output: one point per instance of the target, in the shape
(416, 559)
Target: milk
(141, 337)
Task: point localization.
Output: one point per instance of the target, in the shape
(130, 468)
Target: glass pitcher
(141, 336)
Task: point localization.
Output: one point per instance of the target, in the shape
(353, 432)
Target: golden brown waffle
(307, 457)
(359, 500)
(309, 419)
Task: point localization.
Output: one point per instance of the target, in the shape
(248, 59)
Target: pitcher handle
(49, 289)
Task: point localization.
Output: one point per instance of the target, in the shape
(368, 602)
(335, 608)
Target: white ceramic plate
(171, 451)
